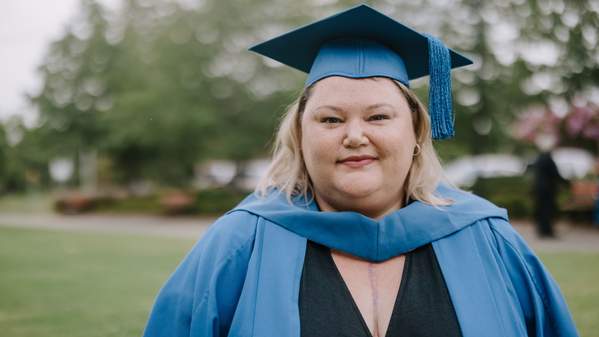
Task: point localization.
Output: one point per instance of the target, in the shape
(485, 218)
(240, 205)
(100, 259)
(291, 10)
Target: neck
(369, 207)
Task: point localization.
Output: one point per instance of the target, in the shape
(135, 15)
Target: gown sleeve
(541, 300)
(200, 297)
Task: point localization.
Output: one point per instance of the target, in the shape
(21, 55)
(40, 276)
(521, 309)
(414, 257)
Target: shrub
(512, 193)
(217, 200)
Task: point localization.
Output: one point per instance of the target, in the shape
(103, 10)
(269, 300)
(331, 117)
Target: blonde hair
(287, 171)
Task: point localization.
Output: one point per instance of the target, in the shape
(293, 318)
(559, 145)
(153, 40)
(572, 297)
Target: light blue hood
(399, 232)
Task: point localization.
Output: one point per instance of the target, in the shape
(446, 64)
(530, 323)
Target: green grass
(89, 284)
(81, 284)
(578, 277)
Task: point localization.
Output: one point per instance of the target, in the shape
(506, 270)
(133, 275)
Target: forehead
(343, 91)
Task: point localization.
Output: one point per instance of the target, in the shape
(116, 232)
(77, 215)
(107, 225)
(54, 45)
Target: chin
(359, 190)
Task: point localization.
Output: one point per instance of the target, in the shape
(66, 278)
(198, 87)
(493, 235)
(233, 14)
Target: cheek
(319, 150)
(317, 142)
(398, 150)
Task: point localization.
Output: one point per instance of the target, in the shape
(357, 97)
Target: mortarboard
(363, 42)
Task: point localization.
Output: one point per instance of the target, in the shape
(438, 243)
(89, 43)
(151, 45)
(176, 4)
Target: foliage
(155, 87)
(133, 204)
(3, 157)
(218, 200)
(507, 192)
(516, 195)
(74, 93)
(214, 201)
(23, 166)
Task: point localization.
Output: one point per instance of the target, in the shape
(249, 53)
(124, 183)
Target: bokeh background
(126, 126)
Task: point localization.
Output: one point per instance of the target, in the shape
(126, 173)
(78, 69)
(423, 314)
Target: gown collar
(397, 233)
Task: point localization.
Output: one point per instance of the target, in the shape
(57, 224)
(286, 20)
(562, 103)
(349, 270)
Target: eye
(378, 117)
(330, 120)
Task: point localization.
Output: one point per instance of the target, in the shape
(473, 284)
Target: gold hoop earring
(418, 150)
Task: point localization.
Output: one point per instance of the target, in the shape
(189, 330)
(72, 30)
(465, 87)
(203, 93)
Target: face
(358, 142)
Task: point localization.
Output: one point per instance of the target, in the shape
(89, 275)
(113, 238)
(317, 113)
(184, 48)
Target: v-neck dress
(422, 307)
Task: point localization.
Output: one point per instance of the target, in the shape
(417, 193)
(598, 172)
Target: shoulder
(508, 238)
(505, 239)
(228, 234)
(206, 285)
(225, 247)
(234, 225)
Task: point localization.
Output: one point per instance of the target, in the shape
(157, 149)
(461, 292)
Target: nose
(354, 136)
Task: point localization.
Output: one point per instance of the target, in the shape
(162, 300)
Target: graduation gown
(242, 278)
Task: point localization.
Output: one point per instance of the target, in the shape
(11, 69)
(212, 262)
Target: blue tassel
(439, 94)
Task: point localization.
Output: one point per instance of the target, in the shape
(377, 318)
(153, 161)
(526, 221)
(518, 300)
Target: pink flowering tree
(578, 127)
(582, 121)
(535, 122)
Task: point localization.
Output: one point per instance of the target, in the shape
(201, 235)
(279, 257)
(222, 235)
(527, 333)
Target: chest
(341, 295)
(373, 287)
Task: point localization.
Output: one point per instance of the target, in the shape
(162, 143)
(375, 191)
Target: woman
(350, 233)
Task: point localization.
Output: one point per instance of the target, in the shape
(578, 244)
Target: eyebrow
(370, 107)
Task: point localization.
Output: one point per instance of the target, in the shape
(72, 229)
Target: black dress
(422, 306)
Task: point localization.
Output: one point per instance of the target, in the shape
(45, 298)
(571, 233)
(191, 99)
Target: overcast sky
(26, 29)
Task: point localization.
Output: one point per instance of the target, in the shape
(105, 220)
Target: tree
(23, 161)
(74, 92)
(157, 86)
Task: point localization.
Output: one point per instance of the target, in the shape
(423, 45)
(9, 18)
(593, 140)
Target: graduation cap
(362, 42)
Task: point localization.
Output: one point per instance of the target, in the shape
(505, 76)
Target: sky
(27, 27)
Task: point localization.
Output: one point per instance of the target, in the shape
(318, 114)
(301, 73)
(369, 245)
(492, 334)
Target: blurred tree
(153, 124)
(74, 92)
(157, 86)
(525, 52)
(559, 64)
(23, 161)
(186, 91)
(561, 55)
(3, 158)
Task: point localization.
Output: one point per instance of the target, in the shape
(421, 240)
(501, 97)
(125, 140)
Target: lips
(357, 161)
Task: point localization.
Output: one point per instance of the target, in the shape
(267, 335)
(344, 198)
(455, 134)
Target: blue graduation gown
(242, 277)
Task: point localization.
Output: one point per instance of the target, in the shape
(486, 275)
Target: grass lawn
(578, 277)
(84, 284)
(81, 284)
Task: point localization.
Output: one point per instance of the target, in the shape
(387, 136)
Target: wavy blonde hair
(287, 171)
